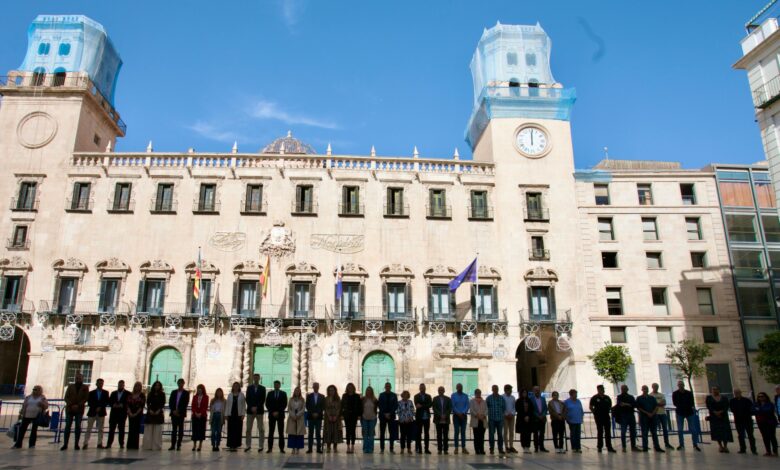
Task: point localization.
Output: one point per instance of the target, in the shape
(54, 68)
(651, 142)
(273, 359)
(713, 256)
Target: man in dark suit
(388, 404)
(315, 407)
(117, 401)
(96, 413)
(255, 405)
(539, 409)
(177, 403)
(422, 418)
(276, 404)
(442, 409)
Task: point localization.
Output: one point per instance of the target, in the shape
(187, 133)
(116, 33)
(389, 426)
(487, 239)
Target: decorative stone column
(247, 359)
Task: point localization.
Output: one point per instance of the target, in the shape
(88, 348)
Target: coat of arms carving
(278, 242)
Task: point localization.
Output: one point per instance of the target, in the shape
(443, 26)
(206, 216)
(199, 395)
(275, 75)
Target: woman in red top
(200, 411)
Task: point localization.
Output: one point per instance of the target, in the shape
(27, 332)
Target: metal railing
(14, 244)
(351, 210)
(79, 204)
(551, 315)
(536, 213)
(480, 212)
(396, 210)
(9, 415)
(164, 206)
(280, 311)
(205, 207)
(526, 91)
(85, 308)
(304, 209)
(375, 313)
(438, 211)
(25, 306)
(466, 313)
(750, 273)
(538, 254)
(24, 204)
(116, 205)
(21, 80)
(253, 207)
(767, 93)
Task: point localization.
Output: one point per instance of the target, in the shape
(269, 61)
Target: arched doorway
(541, 363)
(378, 369)
(166, 367)
(13, 367)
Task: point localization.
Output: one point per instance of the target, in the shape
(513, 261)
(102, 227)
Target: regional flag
(266, 276)
(196, 281)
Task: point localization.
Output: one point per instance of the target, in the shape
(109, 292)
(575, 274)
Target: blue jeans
(216, 429)
(496, 427)
(665, 424)
(649, 423)
(315, 432)
(368, 427)
(574, 435)
(693, 428)
(459, 426)
(628, 424)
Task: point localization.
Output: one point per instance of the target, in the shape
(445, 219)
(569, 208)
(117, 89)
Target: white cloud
(263, 109)
(212, 132)
(291, 9)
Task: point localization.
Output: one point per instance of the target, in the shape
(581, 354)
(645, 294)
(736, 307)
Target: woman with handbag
(33, 411)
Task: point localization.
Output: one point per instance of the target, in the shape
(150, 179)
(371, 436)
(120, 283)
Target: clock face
(532, 141)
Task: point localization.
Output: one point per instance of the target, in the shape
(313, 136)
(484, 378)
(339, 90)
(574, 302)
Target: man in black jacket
(422, 418)
(442, 409)
(255, 404)
(276, 404)
(177, 403)
(388, 404)
(743, 419)
(625, 415)
(601, 407)
(685, 409)
(97, 402)
(315, 407)
(117, 401)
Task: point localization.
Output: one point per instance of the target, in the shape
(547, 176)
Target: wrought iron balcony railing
(23, 306)
(396, 210)
(480, 212)
(549, 315)
(200, 206)
(14, 244)
(536, 214)
(251, 207)
(299, 208)
(351, 210)
(163, 206)
(118, 206)
(79, 204)
(767, 93)
(24, 204)
(86, 308)
(538, 254)
(438, 211)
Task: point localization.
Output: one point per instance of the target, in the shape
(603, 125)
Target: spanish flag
(196, 281)
(266, 276)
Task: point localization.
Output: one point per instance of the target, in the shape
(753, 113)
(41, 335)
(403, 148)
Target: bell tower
(61, 99)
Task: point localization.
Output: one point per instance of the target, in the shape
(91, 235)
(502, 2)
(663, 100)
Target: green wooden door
(378, 369)
(274, 364)
(166, 367)
(469, 378)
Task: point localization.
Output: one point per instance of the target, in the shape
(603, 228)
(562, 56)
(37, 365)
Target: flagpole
(200, 281)
(476, 289)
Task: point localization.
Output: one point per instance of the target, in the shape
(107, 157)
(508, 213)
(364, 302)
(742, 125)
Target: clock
(532, 141)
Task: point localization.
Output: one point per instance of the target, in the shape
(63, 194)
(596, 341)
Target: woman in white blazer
(235, 410)
(478, 410)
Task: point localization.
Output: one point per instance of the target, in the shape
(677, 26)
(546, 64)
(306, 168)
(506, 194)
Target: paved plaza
(47, 456)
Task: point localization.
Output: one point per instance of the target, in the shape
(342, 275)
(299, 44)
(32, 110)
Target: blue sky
(654, 79)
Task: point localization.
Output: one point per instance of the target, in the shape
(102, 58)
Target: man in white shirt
(509, 420)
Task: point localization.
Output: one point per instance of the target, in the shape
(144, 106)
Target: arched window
(59, 77)
(514, 87)
(43, 48)
(511, 58)
(530, 59)
(64, 49)
(533, 87)
(39, 74)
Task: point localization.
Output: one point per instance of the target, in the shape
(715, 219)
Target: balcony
(253, 207)
(375, 313)
(167, 308)
(205, 207)
(23, 306)
(442, 212)
(536, 214)
(163, 206)
(750, 273)
(24, 204)
(79, 205)
(398, 211)
(280, 311)
(467, 313)
(27, 82)
(545, 315)
(538, 254)
(116, 206)
(480, 212)
(768, 93)
(351, 210)
(19, 245)
(304, 209)
(87, 308)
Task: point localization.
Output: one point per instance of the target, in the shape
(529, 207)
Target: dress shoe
(268, 451)
(464, 451)
(65, 447)
(76, 447)
(308, 451)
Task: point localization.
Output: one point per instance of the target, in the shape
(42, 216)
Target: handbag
(13, 431)
(43, 419)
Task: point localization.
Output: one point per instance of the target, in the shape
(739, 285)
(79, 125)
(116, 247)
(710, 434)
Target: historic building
(335, 268)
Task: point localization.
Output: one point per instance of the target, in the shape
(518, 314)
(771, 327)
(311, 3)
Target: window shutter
(474, 305)
(357, 197)
(161, 306)
(258, 297)
(389, 201)
(362, 299)
(3, 283)
(20, 293)
(530, 302)
(384, 300)
(75, 200)
(552, 301)
(494, 291)
(443, 198)
(102, 295)
(312, 299)
(299, 197)
(55, 299)
(189, 295)
(291, 299)
(337, 299)
(430, 300)
(140, 304)
(236, 307)
(453, 303)
(408, 295)
(75, 295)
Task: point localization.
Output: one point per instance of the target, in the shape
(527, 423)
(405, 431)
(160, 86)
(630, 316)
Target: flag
(266, 276)
(196, 281)
(339, 286)
(468, 275)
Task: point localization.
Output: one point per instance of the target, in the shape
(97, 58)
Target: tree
(688, 357)
(612, 362)
(768, 357)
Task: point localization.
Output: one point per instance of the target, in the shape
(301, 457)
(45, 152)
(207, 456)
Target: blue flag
(339, 284)
(468, 275)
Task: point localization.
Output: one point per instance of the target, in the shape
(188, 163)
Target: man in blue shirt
(496, 407)
(647, 406)
(539, 409)
(388, 404)
(460, 410)
(574, 416)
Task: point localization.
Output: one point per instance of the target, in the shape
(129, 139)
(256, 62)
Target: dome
(289, 145)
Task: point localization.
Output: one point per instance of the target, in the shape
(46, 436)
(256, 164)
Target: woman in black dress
(524, 421)
(135, 410)
(720, 426)
(235, 412)
(351, 409)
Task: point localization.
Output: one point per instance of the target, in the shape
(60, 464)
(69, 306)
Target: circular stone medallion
(36, 130)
